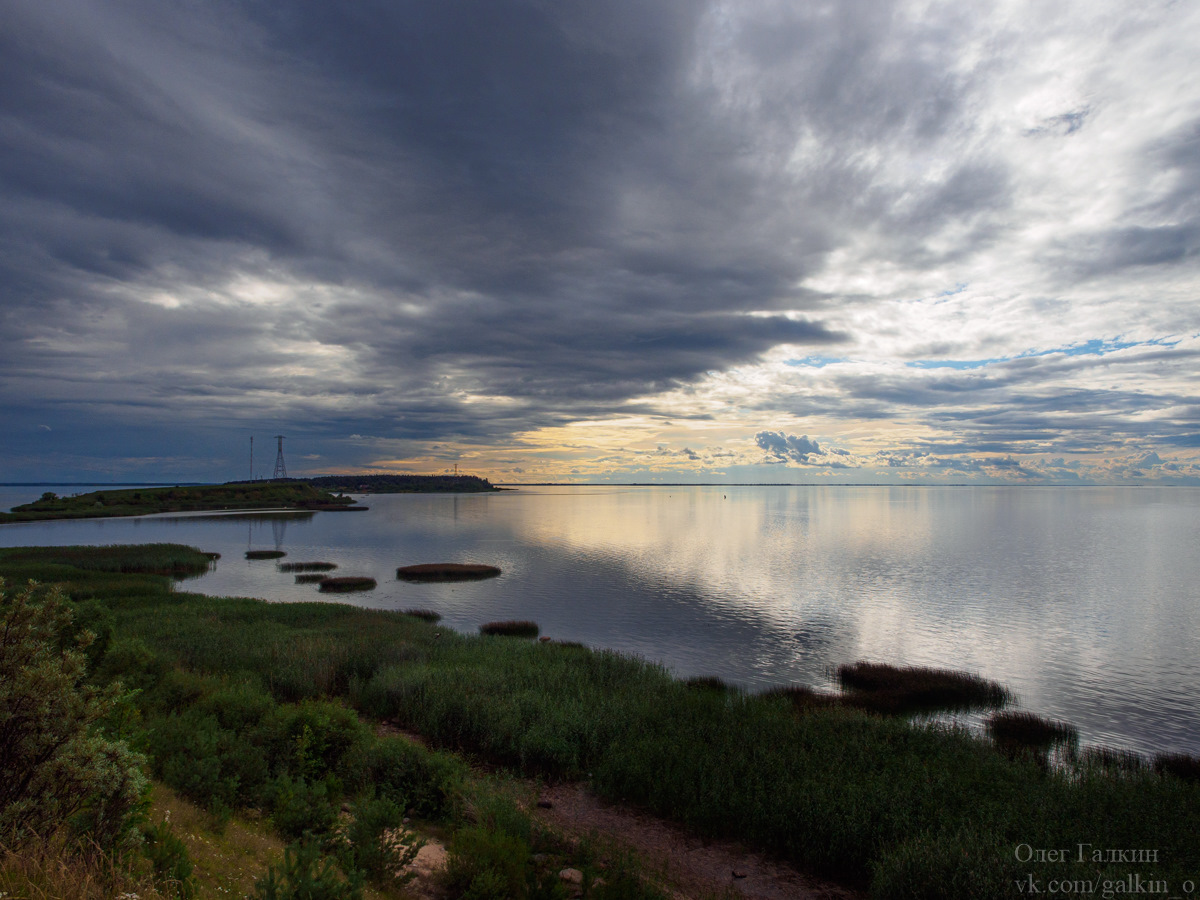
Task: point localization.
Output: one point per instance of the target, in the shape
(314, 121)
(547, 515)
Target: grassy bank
(252, 697)
(193, 498)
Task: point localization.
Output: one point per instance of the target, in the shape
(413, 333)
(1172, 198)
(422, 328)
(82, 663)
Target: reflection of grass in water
(347, 583)
(307, 567)
(900, 690)
(264, 554)
(447, 572)
(511, 628)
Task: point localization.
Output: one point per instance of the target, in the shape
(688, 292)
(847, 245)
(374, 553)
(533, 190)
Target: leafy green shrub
(131, 662)
(55, 766)
(169, 858)
(186, 753)
(423, 782)
(312, 738)
(306, 875)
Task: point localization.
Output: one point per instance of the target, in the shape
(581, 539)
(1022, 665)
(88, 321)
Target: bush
(487, 865)
(377, 845)
(300, 806)
(55, 764)
(169, 857)
(306, 875)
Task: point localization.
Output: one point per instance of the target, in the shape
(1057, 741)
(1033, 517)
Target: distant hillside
(403, 484)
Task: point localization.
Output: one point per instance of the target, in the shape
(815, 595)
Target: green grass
(425, 615)
(905, 810)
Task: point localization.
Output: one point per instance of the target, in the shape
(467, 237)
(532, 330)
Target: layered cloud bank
(612, 240)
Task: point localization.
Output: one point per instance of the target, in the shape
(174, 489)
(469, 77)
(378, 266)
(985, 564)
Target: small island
(447, 572)
(238, 495)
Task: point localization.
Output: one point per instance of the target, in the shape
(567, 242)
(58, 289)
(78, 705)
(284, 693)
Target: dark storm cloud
(523, 199)
(468, 219)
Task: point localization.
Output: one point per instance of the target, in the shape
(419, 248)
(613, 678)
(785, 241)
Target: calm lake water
(1084, 601)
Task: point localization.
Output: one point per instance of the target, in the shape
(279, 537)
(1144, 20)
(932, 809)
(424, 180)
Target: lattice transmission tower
(280, 467)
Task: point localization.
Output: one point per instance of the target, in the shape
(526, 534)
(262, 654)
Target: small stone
(545, 804)
(544, 639)
(571, 876)
(738, 874)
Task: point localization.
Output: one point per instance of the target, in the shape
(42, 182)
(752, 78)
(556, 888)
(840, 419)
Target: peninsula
(243, 495)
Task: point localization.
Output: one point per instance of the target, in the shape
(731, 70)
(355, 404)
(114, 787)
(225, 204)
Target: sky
(601, 240)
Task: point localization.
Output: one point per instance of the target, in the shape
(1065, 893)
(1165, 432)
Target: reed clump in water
(1029, 730)
(511, 628)
(307, 567)
(1181, 765)
(311, 578)
(265, 554)
(425, 615)
(347, 583)
(902, 690)
(447, 572)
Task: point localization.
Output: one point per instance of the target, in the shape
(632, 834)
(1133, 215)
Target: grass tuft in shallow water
(511, 628)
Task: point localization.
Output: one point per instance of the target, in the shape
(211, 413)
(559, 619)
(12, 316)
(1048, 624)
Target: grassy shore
(256, 704)
(193, 498)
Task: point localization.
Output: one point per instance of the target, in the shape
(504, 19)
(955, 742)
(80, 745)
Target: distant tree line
(402, 484)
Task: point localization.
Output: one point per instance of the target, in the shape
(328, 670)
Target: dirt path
(695, 868)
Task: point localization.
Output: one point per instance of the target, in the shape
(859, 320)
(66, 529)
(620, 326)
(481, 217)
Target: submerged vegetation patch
(447, 572)
(265, 554)
(311, 578)
(307, 567)
(347, 583)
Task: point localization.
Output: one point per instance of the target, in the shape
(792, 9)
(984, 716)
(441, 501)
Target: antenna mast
(251, 457)
(280, 468)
